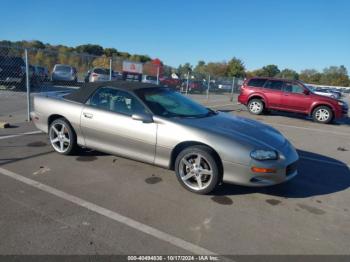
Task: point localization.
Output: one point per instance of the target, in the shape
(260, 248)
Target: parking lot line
(21, 134)
(178, 242)
(309, 129)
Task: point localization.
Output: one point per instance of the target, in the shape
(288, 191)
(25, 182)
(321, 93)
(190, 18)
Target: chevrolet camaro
(160, 126)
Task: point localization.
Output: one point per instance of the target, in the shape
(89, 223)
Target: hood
(232, 126)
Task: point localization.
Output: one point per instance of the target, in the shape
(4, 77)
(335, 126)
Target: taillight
(94, 74)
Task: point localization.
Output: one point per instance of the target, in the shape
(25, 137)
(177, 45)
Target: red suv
(260, 94)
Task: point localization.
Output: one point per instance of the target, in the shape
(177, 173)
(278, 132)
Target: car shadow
(318, 175)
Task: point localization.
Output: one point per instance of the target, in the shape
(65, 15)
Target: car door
(273, 93)
(294, 98)
(107, 125)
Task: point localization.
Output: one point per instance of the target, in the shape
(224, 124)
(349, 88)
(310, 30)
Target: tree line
(84, 57)
(333, 75)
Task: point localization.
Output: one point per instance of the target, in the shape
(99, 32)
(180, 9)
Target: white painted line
(325, 161)
(21, 134)
(178, 242)
(310, 129)
(215, 106)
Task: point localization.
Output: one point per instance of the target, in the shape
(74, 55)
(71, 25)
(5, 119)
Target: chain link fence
(24, 72)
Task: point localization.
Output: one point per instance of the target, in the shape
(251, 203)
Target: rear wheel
(256, 106)
(322, 114)
(62, 137)
(197, 169)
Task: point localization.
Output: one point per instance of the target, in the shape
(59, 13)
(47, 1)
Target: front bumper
(286, 167)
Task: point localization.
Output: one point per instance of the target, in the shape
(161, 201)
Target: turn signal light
(263, 170)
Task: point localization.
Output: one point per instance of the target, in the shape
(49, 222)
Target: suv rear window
(275, 85)
(257, 82)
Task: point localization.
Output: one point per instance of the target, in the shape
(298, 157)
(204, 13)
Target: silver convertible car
(159, 126)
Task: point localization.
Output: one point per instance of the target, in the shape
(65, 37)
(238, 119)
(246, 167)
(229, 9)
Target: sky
(294, 34)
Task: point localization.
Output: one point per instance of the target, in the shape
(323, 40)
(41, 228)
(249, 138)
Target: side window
(293, 88)
(274, 85)
(117, 101)
(256, 82)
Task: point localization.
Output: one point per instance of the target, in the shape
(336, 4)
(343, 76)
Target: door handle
(88, 115)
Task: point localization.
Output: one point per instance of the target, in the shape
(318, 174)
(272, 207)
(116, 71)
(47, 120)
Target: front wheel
(322, 114)
(256, 106)
(62, 137)
(197, 169)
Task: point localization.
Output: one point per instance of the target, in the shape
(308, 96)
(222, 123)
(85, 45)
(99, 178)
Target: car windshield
(66, 69)
(168, 103)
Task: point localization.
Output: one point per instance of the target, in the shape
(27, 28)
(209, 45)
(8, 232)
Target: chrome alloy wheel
(255, 107)
(59, 137)
(322, 115)
(195, 171)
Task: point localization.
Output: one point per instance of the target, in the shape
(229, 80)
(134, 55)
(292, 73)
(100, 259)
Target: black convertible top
(87, 89)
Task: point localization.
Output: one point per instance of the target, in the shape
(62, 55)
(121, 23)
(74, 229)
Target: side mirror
(145, 118)
(306, 92)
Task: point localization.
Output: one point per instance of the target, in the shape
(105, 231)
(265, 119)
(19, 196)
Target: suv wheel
(322, 114)
(197, 169)
(256, 106)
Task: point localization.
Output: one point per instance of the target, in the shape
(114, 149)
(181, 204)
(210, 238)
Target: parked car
(194, 86)
(117, 75)
(40, 74)
(97, 74)
(149, 79)
(12, 72)
(171, 82)
(159, 126)
(223, 86)
(337, 91)
(326, 92)
(261, 94)
(64, 73)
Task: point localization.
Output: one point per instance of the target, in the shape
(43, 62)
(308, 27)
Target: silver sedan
(162, 127)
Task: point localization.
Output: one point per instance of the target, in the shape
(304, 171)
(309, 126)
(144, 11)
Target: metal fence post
(233, 85)
(188, 75)
(208, 87)
(27, 84)
(158, 75)
(110, 69)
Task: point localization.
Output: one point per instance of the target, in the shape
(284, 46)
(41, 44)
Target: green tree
(336, 76)
(270, 70)
(90, 49)
(288, 74)
(182, 70)
(236, 68)
(109, 52)
(310, 76)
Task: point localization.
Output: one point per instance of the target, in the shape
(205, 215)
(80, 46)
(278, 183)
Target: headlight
(341, 103)
(261, 154)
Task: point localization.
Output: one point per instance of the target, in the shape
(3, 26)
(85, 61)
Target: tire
(197, 169)
(62, 137)
(322, 114)
(256, 106)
